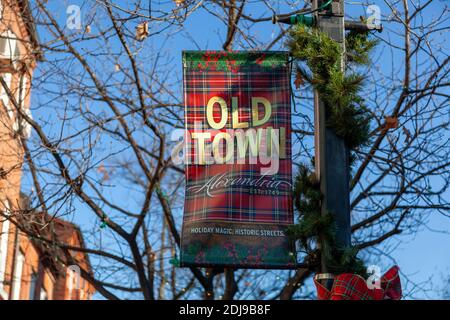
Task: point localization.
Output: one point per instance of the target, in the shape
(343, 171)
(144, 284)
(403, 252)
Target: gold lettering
(250, 139)
(235, 114)
(255, 111)
(218, 156)
(223, 113)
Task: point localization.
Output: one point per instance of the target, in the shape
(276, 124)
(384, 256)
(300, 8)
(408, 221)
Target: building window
(43, 294)
(20, 124)
(8, 46)
(22, 91)
(17, 276)
(4, 242)
(70, 284)
(33, 284)
(3, 95)
(20, 95)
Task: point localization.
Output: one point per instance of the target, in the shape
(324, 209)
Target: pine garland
(348, 116)
(358, 46)
(339, 90)
(313, 224)
(307, 203)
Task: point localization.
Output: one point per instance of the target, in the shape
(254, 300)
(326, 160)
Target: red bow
(349, 286)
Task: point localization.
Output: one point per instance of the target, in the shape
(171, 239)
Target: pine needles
(347, 115)
(339, 90)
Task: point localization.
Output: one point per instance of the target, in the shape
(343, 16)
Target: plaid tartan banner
(238, 125)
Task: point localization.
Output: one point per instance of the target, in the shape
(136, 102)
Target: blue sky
(424, 257)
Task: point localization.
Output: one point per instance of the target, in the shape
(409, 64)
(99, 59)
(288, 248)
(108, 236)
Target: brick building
(29, 268)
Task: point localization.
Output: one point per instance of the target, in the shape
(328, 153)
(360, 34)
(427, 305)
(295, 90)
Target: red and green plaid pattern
(233, 215)
(242, 75)
(348, 286)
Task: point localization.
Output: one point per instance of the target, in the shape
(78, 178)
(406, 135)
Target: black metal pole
(332, 155)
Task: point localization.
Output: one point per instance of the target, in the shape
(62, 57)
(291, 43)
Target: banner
(238, 201)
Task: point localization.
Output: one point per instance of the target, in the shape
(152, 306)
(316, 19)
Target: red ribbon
(349, 286)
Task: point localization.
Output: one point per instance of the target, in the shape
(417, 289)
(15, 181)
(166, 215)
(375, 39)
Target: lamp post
(332, 156)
